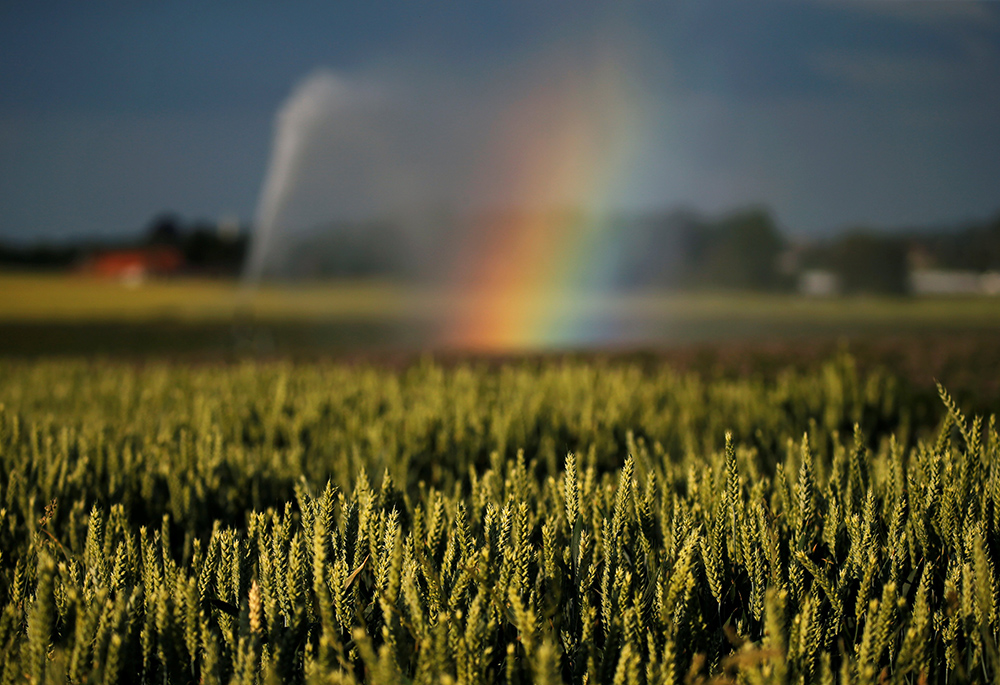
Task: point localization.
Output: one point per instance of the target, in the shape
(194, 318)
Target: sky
(833, 114)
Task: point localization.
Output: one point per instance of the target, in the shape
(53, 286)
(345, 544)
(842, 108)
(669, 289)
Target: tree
(164, 229)
(871, 263)
(743, 251)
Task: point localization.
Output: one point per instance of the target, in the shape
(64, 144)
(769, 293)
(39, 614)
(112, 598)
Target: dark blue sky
(882, 113)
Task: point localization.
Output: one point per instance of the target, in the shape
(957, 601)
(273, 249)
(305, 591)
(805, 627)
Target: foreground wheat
(783, 553)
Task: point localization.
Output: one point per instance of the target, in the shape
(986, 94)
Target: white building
(819, 283)
(954, 282)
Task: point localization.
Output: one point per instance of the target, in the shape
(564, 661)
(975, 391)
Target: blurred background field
(132, 313)
(955, 340)
(71, 297)
(75, 298)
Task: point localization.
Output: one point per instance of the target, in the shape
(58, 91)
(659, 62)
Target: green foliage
(560, 523)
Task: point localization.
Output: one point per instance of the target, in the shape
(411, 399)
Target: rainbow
(527, 277)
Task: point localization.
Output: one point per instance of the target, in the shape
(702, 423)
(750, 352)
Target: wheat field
(576, 522)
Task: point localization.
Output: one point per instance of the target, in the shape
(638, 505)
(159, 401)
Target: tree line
(745, 249)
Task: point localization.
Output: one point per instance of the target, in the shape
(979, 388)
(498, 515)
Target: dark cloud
(831, 112)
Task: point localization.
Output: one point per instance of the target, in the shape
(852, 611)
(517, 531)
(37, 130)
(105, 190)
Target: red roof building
(135, 264)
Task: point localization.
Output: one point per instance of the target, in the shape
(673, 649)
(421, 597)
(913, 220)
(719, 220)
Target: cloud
(875, 69)
(928, 48)
(933, 13)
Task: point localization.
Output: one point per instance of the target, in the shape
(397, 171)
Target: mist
(430, 161)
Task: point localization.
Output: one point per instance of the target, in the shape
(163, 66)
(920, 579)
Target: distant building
(953, 282)
(819, 283)
(134, 265)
